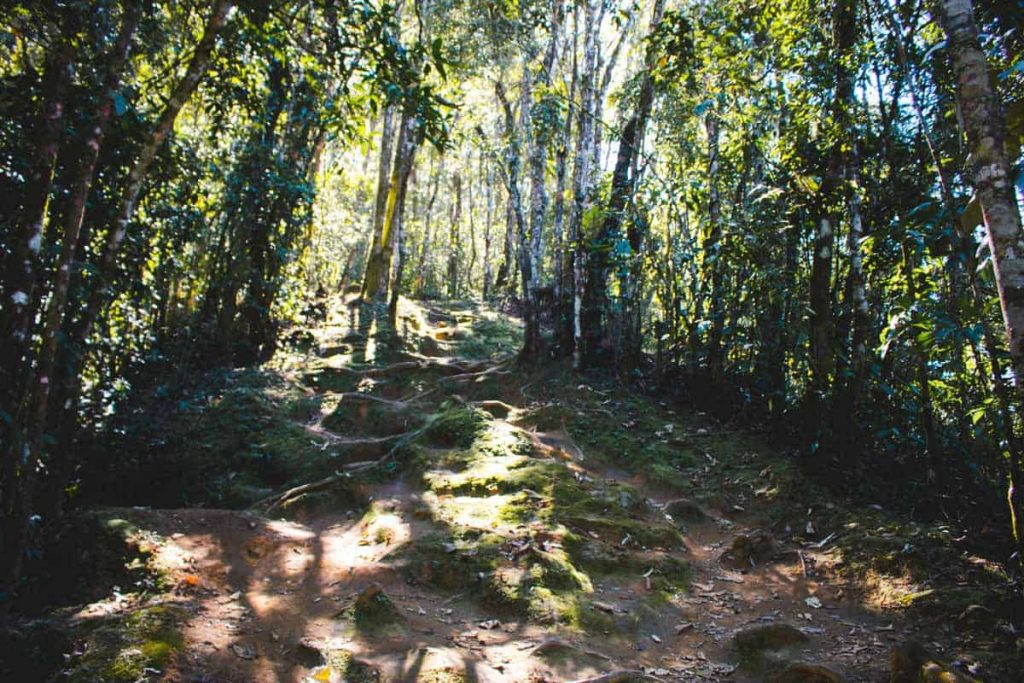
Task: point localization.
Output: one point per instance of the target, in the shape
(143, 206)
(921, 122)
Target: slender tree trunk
(421, 268)
(582, 181)
(453, 239)
(926, 412)
(488, 225)
(558, 228)
(49, 353)
(712, 249)
(609, 235)
(822, 322)
(19, 503)
(20, 270)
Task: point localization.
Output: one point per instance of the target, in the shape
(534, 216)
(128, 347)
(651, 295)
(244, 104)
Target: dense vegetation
(802, 216)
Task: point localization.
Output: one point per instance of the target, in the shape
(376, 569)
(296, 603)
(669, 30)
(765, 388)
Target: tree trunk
(371, 274)
(488, 225)
(18, 499)
(20, 270)
(712, 248)
(985, 125)
(421, 268)
(453, 239)
(822, 323)
(582, 181)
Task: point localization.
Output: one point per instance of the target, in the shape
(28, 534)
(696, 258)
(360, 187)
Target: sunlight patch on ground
(485, 472)
(469, 511)
(291, 530)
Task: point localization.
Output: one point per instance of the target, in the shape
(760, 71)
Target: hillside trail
(272, 599)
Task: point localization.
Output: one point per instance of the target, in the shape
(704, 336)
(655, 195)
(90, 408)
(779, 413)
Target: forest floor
(475, 521)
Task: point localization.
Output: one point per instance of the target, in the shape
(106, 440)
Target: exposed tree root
(397, 403)
(498, 409)
(353, 441)
(620, 676)
(496, 369)
(456, 365)
(275, 501)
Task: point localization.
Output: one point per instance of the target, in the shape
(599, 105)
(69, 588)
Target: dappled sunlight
(483, 513)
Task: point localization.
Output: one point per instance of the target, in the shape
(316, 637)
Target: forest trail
(497, 546)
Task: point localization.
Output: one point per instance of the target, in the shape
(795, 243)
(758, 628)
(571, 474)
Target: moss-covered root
(130, 648)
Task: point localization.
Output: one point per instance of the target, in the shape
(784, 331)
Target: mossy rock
(911, 662)
(768, 637)
(355, 417)
(121, 649)
(685, 510)
(445, 675)
(457, 425)
(374, 612)
(444, 562)
(625, 531)
(341, 666)
(754, 548)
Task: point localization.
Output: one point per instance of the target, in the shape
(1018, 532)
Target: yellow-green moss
(120, 649)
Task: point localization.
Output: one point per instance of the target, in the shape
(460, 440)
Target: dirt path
(272, 600)
(265, 596)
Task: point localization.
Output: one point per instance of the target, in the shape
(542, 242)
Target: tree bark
(985, 125)
(822, 323)
(371, 274)
(582, 181)
(712, 248)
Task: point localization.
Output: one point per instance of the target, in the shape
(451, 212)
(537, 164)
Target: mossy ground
(528, 532)
(128, 649)
(531, 511)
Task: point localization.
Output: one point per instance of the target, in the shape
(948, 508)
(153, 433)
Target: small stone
(684, 509)
(800, 672)
(754, 548)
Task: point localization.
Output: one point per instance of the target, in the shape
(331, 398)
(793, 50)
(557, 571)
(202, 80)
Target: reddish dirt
(263, 588)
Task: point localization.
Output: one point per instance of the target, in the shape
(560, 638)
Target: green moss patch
(131, 648)
(524, 532)
(374, 614)
(456, 426)
(354, 417)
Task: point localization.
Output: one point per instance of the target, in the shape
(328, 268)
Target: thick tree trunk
(371, 274)
(985, 125)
